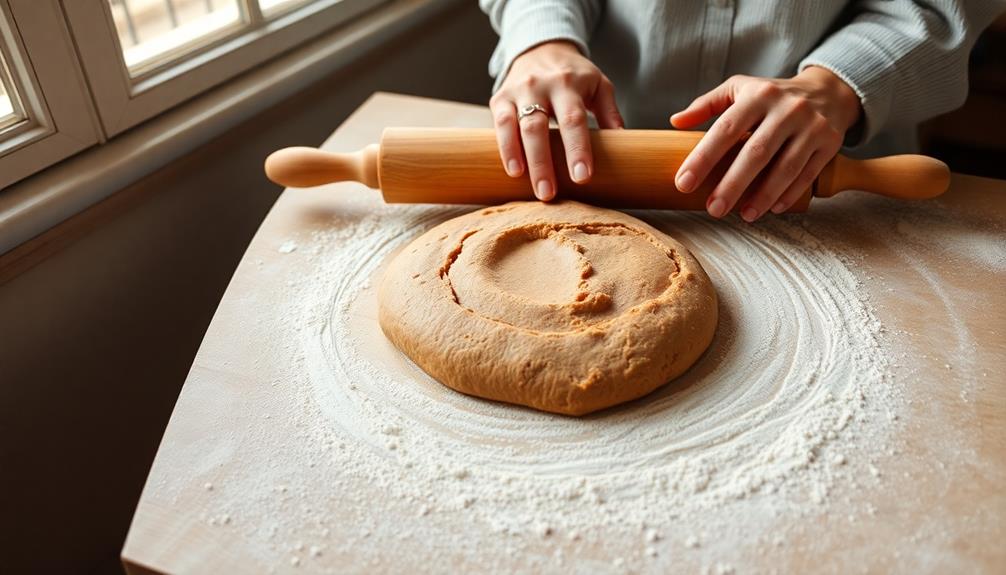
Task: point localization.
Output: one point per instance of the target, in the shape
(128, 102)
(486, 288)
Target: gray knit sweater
(906, 59)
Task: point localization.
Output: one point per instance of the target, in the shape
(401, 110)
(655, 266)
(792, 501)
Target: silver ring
(530, 109)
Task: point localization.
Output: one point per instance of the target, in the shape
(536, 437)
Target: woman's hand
(797, 126)
(557, 77)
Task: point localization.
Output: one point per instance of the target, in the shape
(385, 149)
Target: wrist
(551, 47)
(846, 109)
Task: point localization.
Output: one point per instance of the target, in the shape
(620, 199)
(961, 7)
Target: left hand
(797, 126)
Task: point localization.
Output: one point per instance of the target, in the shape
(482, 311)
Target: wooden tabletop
(238, 398)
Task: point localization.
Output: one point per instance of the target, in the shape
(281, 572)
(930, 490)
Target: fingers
(803, 182)
(797, 131)
(523, 142)
(572, 118)
(756, 153)
(707, 106)
(721, 137)
(786, 168)
(605, 107)
(534, 133)
(507, 135)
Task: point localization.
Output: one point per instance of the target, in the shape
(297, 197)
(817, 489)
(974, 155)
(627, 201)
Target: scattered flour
(762, 423)
(793, 402)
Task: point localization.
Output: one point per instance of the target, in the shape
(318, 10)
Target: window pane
(270, 7)
(10, 108)
(153, 32)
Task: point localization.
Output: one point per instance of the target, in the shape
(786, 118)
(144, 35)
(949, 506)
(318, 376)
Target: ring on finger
(526, 111)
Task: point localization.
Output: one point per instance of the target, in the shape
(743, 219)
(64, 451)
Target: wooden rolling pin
(632, 169)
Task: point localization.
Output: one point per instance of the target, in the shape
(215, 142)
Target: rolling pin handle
(905, 177)
(301, 167)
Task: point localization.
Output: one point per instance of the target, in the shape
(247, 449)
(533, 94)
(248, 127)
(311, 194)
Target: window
(154, 32)
(10, 106)
(76, 72)
(45, 114)
(270, 7)
(145, 56)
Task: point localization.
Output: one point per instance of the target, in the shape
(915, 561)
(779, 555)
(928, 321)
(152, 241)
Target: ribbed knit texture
(907, 60)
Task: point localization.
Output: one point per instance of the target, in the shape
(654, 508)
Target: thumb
(706, 106)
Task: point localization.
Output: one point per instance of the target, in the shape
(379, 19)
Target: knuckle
(729, 189)
(575, 149)
(766, 90)
(788, 170)
(728, 127)
(575, 118)
(501, 97)
(565, 76)
(534, 123)
(698, 160)
(539, 165)
(758, 149)
(791, 169)
(504, 118)
(528, 81)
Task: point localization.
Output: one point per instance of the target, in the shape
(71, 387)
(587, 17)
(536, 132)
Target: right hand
(560, 79)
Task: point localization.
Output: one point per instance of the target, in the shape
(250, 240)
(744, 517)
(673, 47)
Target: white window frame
(123, 101)
(59, 119)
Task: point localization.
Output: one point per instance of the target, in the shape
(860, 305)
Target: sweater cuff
(857, 59)
(528, 27)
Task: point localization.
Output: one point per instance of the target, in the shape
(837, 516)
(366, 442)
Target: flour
(792, 412)
(982, 247)
(764, 425)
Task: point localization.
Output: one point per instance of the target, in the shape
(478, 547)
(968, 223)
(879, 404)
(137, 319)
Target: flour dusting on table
(792, 410)
(792, 398)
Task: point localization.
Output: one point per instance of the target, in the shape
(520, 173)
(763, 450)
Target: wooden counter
(234, 395)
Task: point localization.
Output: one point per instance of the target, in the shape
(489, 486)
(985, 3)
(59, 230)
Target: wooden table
(234, 394)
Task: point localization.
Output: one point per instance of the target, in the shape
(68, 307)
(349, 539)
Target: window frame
(58, 120)
(123, 101)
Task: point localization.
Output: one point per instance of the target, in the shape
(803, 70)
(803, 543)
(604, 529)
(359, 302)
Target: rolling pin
(632, 169)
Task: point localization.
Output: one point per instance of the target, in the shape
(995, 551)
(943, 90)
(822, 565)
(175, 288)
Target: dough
(562, 307)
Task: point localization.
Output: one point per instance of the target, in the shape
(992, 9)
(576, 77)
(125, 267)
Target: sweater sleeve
(907, 60)
(523, 24)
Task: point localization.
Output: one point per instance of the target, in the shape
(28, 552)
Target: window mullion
(254, 12)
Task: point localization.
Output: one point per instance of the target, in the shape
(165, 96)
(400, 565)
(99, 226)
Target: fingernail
(685, 181)
(580, 172)
(544, 190)
(513, 167)
(717, 208)
(749, 214)
(779, 208)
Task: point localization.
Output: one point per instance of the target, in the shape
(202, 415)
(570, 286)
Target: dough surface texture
(562, 307)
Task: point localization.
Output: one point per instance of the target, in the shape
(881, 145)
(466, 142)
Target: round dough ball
(562, 307)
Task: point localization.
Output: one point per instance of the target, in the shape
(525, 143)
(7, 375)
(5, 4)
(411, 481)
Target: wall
(96, 340)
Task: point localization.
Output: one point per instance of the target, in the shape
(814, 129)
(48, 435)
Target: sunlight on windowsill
(150, 53)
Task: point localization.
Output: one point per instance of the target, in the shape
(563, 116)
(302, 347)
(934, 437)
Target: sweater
(905, 59)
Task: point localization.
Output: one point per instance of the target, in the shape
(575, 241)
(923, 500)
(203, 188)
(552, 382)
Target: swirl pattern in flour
(794, 361)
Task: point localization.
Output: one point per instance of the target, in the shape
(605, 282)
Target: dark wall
(96, 340)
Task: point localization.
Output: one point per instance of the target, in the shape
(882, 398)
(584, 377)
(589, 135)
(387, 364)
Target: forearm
(906, 60)
(523, 24)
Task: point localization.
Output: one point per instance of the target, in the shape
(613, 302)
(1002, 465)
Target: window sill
(40, 202)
